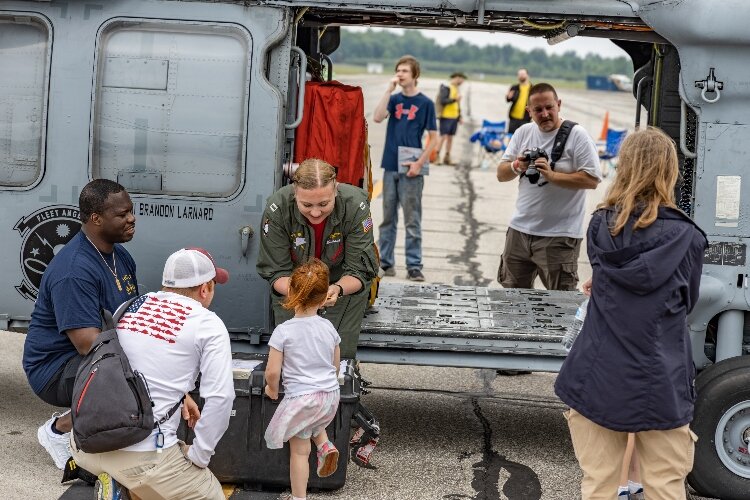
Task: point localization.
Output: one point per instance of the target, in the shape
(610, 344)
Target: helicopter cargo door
(185, 119)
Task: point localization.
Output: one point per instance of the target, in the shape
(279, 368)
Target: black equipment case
(242, 456)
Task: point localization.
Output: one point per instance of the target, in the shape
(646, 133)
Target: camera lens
(532, 174)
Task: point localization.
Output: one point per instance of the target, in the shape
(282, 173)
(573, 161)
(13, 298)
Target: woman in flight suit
(317, 217)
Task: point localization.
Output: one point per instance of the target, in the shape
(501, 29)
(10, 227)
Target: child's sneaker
(328, 459)
(636, 490)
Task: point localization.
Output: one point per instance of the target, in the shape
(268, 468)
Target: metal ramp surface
(443, 325)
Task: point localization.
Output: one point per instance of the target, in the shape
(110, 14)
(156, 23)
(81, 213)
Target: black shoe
(389, 271)
(415, 275)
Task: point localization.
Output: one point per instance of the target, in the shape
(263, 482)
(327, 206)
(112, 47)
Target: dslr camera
(530, 155)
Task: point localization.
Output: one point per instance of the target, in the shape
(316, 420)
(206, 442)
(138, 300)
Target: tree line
(360, 48)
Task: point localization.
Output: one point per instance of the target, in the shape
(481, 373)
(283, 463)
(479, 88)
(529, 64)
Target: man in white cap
(170, 336)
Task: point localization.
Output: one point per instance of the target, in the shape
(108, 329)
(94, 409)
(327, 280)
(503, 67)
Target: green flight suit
(349, 249)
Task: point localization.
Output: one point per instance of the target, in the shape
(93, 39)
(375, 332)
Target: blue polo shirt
(409, 118)
(76, 286)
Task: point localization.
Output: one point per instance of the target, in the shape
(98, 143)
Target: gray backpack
(112, 407)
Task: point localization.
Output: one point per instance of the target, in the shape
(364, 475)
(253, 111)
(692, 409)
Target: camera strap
(560, 139)
(558, 146)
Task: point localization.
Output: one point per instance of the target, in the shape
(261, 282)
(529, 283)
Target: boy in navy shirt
(409, 114)
(90, 273)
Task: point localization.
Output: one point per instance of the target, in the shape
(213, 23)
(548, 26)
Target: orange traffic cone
(605, 127)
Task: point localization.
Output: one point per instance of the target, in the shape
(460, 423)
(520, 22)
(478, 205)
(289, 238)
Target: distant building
(376, 68)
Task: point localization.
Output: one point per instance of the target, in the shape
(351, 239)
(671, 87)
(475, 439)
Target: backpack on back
(111, 406)
(443, 93)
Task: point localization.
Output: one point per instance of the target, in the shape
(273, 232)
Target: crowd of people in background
(637, 228)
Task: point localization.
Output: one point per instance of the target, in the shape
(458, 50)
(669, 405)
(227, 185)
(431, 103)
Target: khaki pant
(666, 458)
(553, 259)
(153, 476)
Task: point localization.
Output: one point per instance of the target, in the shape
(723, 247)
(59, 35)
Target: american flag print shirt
(161, 319)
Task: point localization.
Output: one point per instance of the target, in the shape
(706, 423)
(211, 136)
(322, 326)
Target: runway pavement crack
(522, 482)
(471, 230)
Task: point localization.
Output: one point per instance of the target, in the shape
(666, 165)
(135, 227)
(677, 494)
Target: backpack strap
(558, 146)
(157, 424)
(109, 320)
(170, 412)
(560, 139)
(123, 307)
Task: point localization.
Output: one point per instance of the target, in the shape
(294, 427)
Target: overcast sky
(581, 45)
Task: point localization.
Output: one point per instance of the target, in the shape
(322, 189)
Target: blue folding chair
(492, 141)
(609, 151)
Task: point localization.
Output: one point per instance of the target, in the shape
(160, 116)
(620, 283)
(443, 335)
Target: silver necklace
(114, 262)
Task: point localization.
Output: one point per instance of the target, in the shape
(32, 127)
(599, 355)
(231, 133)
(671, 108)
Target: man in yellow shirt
(518, 96)
(449, 113)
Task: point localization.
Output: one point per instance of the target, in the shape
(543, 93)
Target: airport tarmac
(447, 433)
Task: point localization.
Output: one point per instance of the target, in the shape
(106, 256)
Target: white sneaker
(57, 445)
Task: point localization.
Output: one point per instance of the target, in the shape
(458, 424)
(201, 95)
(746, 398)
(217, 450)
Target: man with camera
(545, 232)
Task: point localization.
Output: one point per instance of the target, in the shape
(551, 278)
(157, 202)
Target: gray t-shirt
(551, 210)
(308, 345)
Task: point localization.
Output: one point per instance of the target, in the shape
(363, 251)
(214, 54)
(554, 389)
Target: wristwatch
(341, 289)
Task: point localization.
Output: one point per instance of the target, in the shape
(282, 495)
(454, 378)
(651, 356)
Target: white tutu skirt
(302, 416)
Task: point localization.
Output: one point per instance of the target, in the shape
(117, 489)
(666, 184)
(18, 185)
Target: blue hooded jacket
(631, 367)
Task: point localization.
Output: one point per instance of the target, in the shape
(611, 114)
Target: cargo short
(59, 390)
(553, 259)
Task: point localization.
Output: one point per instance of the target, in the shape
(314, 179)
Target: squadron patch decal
(44, 233)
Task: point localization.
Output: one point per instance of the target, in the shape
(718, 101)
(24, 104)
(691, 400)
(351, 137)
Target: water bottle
(574, 329)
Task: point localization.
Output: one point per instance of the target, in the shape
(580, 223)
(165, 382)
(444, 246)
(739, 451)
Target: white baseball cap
(190, 267)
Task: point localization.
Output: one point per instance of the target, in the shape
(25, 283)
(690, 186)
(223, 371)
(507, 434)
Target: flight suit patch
(367, 224)
(298, 239)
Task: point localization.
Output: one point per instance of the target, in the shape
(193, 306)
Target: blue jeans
(400, 190)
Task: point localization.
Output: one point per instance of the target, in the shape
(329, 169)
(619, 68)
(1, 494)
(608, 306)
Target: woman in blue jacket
(631, 368)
